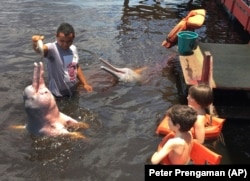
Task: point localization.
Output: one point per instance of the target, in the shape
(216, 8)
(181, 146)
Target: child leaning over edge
(63, 62)
(178, 149)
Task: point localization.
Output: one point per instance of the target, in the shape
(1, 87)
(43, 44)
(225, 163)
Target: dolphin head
(122, 74)
(38, 100)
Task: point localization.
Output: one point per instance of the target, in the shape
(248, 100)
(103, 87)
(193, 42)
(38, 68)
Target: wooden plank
(192, 66)
(205, 75)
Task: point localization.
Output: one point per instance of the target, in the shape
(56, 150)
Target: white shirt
(62, 69)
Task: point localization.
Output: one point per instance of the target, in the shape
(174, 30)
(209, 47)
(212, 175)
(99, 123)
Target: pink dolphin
(44, 117)
(123, 74)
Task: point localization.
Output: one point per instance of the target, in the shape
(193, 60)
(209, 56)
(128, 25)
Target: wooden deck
(231, 76)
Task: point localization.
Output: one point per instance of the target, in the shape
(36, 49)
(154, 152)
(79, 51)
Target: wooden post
(205, 74)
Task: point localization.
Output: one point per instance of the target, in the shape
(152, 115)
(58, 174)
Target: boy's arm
(158, 156)
(35, 38)
(82, 79)
(199, 129)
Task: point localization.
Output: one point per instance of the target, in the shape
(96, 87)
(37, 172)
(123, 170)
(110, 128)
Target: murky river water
(122, 117)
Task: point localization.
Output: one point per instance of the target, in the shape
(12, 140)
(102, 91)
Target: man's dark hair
(66, 29)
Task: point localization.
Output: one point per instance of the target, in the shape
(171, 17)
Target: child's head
(202, 94)
(65, 35)
(182, 115)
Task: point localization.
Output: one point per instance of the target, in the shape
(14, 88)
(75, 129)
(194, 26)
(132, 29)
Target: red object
(240, 11)
(212, 131)
(184, 24)
(200, 155)
(229, 4)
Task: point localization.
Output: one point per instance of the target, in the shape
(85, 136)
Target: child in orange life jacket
(199, 98)
(181, 119)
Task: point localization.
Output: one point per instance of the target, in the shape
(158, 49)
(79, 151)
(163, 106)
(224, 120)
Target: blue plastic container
(187, 42)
